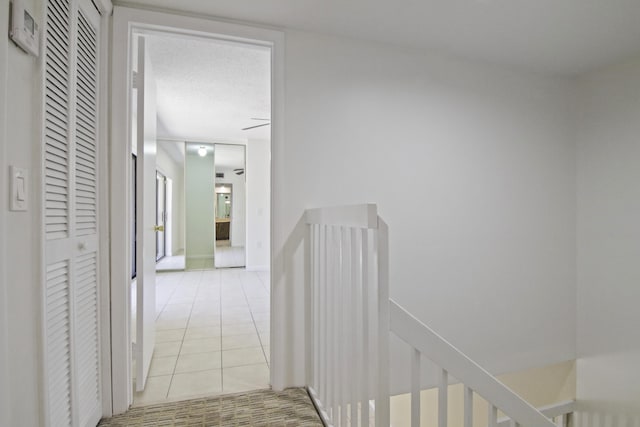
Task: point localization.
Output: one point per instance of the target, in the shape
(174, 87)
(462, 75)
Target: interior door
(145, 216)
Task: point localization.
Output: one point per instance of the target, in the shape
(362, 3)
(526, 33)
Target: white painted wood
(308, 304)
(358, 216)
(445, 355)
(550, 411)
(347, 333)
(415, 388)
(366, 368)
(146, 216)
(443, 395)
(493, 415)
(103, 206)
(356, 310)
(382, 396)
(468, 407)
(71, 113)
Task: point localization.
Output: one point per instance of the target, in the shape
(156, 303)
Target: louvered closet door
(72, 358)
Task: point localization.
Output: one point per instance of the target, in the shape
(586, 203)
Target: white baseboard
(257, 268)
(200, 257)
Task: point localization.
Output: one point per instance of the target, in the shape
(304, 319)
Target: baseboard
(257, 268)
(199, 257)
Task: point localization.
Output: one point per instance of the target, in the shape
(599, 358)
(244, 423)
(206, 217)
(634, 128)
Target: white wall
(608, 338)
(175, 171)
(482, 238)
(238, 205)
(19, 272)
(258, 201)
(199, 196)
(5, 392)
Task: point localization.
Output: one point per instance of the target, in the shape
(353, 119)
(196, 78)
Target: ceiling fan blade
(256, 126)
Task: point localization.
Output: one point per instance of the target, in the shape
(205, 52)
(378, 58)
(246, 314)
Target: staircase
(350, 317)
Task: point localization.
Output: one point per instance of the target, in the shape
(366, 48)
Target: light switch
(19, 188)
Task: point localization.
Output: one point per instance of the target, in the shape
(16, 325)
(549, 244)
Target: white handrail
(442, 353)
(349, 316)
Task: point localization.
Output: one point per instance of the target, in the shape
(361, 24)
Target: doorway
(125, 21)
(211, 328)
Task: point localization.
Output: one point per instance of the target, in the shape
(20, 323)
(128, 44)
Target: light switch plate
(19, 195)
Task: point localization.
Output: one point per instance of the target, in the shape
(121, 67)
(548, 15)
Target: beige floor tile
(238, 329)
(265, 339)
(156, 390)
(243, 378)
(209, 319)
(165, 349)
(232, 319)
(202, 332)
(166, 335)
(230, 342)
(198, 362)
(263, 326)
(171, 324)
(242, 357)
(205, 345)
(162, 366)
(196, 384)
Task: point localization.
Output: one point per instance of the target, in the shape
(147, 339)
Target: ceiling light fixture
(202, 151)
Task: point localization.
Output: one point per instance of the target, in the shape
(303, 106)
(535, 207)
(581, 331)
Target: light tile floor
(212, 335)
(171, 263)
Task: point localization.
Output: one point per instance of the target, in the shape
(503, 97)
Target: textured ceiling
(227, 156)
(553, 36)
(208, 90)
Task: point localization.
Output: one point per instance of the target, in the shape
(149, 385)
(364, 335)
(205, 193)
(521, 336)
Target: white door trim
(125, 21)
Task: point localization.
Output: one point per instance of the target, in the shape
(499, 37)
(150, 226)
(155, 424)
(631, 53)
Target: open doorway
(210, 327)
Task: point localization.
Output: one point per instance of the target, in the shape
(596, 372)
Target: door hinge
(134, 79)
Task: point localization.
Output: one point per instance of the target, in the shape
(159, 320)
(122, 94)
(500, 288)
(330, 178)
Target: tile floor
(171, 263)
(212, 335)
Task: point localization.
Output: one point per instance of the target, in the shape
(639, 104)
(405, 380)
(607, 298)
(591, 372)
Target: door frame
(126, 20)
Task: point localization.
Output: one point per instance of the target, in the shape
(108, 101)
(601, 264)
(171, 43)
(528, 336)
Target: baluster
(335, 249)
(443, 391)
(323, 318)
(316, 307)
(330, 321)
(355, 317)
(415, 388)
(344, 354)
(493, 416)
(468, 407)
(382, 402)
(364, 404)
(561, 421)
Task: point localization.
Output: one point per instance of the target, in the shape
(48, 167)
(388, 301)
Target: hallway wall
(19, 269)
(258, 205)
(608, 149)
(484, 230)
(4, 325)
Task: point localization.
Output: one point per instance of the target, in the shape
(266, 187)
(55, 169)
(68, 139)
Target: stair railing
(349, 317)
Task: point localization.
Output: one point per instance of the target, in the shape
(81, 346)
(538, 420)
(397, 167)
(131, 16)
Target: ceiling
(209, 90)
(564, 37)
(227, 156)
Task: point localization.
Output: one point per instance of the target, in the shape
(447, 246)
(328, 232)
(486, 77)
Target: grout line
(254, 321)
